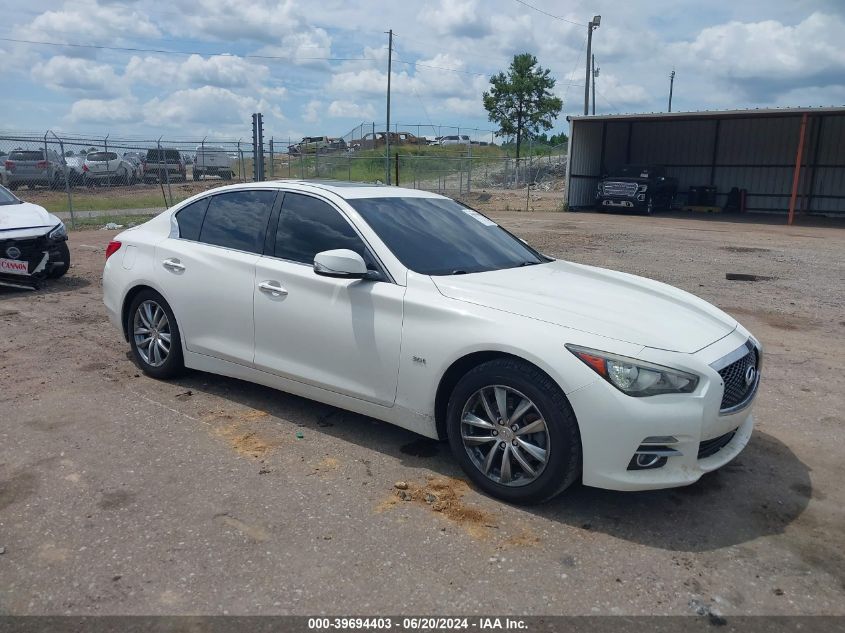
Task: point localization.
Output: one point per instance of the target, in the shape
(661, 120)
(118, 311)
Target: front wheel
(61, 266)
(513, 432)
(154, 336)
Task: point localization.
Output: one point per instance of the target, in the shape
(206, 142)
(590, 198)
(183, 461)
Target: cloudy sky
(202, 67)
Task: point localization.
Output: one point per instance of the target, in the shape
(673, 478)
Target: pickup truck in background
(212, 161)
(644, 188)
(163, 165)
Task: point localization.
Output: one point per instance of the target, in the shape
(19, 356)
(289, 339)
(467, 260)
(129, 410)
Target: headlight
(600, 189)
(642, 188)
(58, 232)
(634, 377)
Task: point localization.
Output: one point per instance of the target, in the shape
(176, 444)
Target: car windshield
(7, 197)
(631, 171)
(101, 156)
(437, 236)
(26, 155)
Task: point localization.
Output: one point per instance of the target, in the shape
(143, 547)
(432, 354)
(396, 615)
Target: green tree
(520, 102)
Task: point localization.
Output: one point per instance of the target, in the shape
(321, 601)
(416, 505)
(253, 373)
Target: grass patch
(85, 224)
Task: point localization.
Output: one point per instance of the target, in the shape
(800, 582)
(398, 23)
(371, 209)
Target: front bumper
(622, 202)
(33, 260)
(615, 426)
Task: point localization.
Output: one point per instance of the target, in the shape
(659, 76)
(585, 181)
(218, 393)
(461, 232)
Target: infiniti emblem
(750, 374)
(13, 252)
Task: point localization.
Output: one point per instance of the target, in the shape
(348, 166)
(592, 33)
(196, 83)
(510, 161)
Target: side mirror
(340, 262)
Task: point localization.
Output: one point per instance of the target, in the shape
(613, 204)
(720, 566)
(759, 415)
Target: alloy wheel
(151, 331)
(505, 435)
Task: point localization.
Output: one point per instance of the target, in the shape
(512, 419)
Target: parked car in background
(76, 169)
(3, 173)
(644, 188)
(212, 161)
(33, 168)
(137, 162)
(311, 145)
(412, 308)
(455, 139)
(107, 168)
(163, 165)
(33, 243)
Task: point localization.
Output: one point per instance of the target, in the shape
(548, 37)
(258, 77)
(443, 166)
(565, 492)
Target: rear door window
(26, 155)
(308, 226)
(238, 220)
(189, 219)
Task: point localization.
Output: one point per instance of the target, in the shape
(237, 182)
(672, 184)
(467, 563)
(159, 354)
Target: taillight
(41, 164)
(85, 168)
(112, 248)
(9, 165)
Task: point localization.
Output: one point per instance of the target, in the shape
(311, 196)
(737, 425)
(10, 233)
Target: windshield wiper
(458, 271)
(527, 264)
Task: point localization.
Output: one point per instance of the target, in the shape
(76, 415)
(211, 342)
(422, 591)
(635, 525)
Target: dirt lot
(123, 495)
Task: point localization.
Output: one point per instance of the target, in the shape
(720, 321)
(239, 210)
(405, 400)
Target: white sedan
(414, 309)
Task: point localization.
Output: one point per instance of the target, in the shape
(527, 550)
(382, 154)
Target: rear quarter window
(189, 219)
(238, 220)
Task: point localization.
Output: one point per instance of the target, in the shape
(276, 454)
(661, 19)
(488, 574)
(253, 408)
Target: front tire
(64, 257)
(154, 336)
(522, 445)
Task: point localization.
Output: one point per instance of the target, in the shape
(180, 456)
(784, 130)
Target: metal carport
(789, 158)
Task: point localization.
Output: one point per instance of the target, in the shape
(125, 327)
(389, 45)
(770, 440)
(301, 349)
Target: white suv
(414, 309)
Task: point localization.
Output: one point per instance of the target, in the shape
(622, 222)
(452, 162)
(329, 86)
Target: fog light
(647, 461)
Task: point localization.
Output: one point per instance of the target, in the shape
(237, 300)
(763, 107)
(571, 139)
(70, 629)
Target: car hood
(17, 220)
(595, 300)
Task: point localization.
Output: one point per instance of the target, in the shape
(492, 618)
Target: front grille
(613, 188)
(738, 389)
(711, 447)
(32, 250)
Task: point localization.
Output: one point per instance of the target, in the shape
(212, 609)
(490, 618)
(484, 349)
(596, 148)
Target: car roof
(343, 189)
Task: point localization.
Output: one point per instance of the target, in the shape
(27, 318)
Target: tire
(226, 175)
(13, 186)
(59, 271)
(196, 176)
(650, 206)
(550, 411)
(173, 364)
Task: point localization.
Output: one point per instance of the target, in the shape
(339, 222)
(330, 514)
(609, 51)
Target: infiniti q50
(414, 309)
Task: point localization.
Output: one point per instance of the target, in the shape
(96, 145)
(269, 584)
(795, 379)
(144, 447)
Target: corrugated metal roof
(711, 114)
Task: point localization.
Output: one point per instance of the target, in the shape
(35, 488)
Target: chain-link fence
(80, 176)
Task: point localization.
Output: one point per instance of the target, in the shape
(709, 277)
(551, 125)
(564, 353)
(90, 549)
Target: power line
(556, 17)
(202, 54)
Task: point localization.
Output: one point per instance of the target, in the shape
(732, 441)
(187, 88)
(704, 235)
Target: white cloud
(77, 75)
(768, 49)
(83, 21)
(459, 18)
(351, 110)
(222, 71)
(206, 104)
(105, 111)
(311, 111)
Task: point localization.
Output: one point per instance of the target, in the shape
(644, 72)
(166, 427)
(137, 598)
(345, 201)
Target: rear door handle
(273, 288)
(173, 264)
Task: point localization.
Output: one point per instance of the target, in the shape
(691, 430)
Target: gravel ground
(123, 495)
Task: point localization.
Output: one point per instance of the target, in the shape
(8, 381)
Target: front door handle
(274, 288)
(173, 264)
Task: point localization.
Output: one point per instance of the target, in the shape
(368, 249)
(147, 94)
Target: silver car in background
(108, 168)
(33, 168)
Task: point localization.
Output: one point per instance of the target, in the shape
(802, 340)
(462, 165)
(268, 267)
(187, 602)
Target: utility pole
(671, 87)
(595, 74)
(387, 130)
(591, 26)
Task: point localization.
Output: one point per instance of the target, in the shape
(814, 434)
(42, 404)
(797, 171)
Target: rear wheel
(513, 432)
(154, 336)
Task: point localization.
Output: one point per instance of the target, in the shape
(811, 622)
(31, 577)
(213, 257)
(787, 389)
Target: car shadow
(50, 286)
(758, 494)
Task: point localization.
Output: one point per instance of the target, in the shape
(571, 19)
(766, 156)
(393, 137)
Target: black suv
(644, 188)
